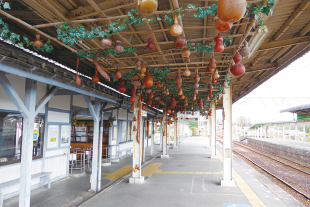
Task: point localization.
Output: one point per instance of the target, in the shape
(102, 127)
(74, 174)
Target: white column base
(228, 183)
(136, 180)
(164, 156)
(114, 160)
(213, 156)
(175, 147)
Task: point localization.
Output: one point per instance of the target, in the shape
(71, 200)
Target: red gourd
(173, 102)
(178, 78)
(148, 80)
(212, 64)
(231, 10)
(180, 42)
(200, 102)
(121, 89)
(38, 42)
(214, 81)
(77, 78)
(218, 38)
(158, 84)
(197, 78)
(150, 45)
(219, 47)
(222, 26)
(118, 73)
(209, 70)
(99, 68)
(95, 78)
(133, 98)
(237, 69)
(237, 58)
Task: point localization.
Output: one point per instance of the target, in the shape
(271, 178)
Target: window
(11, 129)
(129, 135)
(123, 131)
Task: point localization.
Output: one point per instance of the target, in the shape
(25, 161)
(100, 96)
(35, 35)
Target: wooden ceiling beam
(283, 43)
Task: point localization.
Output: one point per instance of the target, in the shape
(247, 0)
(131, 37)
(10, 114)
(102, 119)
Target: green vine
(227, 40)
(5, 5)
(201, 13)
(91, 54)
(12, 37)
(266, 9)
(198, 47)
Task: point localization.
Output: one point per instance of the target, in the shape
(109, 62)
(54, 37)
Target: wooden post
(27, 144)
(165, 133)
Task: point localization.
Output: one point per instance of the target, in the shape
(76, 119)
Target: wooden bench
(45, 175)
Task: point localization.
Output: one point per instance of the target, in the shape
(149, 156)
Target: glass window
(129, 131)
(123, 131)
(11, 128)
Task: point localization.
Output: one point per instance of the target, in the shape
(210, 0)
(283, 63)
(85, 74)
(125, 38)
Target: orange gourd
(176, 29)
(231, 10)
(147, 6)
(148, 80)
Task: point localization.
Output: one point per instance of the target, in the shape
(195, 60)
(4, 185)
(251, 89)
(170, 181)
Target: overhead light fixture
(257, 39)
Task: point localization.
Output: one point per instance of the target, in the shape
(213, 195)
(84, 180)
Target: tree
(242, 121)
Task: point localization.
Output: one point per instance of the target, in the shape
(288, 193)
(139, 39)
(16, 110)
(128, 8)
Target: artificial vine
(5, 5)
(201, 13)
(91, 54)
(12, 37)
(266, 9)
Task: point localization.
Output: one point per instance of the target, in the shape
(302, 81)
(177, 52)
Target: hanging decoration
(221, 25)
(99, 68)
(118, 73)
(121, 88)
(150, 45)
(231, 11)
(180, 42)
(147, 6)
(245, 51)
(219, 47)
(178, 78)
(106, 42)
(238, 69)
(212, 65)
(176, 29)
(186, 53)
(237, 58)
(142, 70)
(77, 77)
(95, 78)
(133, 98)
(38, 42)
(118, 46)
(148, 80)
(187, 72)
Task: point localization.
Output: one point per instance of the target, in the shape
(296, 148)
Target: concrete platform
(191, 178)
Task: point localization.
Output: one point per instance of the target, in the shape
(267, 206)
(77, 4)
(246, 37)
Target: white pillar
(27, 144)
(165, 133)
(137, 144)
(175, 126)
(213, 131)
(161, 134)
(100, 154)
(152, 137)
(227, 139)
(209, 131)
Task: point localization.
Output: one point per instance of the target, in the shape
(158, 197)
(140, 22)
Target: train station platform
(189, 177)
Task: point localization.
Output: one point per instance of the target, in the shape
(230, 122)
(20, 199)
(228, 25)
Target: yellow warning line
(150, 169)
(196, 173)
(247, 191)
(105, 173)
(119, 173)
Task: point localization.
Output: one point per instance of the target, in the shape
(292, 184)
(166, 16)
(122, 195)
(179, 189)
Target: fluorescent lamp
(257, 39)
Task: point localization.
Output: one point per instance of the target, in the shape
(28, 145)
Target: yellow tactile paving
(196, 173)
(150, 169)
(119, 173)
(247, 191)
(105, 173)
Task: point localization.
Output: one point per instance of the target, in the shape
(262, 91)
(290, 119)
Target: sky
(288, 88)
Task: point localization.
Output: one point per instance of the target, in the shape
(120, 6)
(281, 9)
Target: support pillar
(27, 144)
(137, 133)
(227, 139)
(161, 134)
(209, 131)
(97, 146)
(175, 126)
(165, 133)
(213, 131)
(152, 137)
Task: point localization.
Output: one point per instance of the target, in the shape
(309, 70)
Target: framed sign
(65, 133)
(115, 133)
(52, 136)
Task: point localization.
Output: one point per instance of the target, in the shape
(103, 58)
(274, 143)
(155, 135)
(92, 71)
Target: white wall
(78, 100)
(60, 102)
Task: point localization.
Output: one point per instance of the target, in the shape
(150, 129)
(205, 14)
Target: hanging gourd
(197, 78)
(237, 58)
(187, 72)
(178, 78)
(122, 88)
(158, 84)
(99, 68)
(106, 42)
(200, 103)
(167, 92)
(95, 78)
(237, 69)
(77, 77)
(195, 91)
(219, 47)
(148, 80)
(133, 98)
(118, 46)
(176, 29)
(196, 85)
(186, 53)
(231, 10)
(38, 42)
(138, 93)
(215, 75)
(222, 26)
(245, 51)
(118, 73)
(142, 70)
(212, 64)
(150, 45)
(207, 98)
(182, 96)
(180, 42)
(147, 6)
(149, 100)
(214, 81)
(180, 91)
(168, 111)
(173, 102)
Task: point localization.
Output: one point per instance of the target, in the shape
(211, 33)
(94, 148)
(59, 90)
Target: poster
(52, 136)
(65, 135)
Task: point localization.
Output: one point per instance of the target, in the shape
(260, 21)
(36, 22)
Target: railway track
(294, 176)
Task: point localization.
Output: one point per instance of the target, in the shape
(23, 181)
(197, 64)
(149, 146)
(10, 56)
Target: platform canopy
(76, 28)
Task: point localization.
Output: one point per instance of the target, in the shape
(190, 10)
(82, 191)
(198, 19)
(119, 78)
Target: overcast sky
(290, 87)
